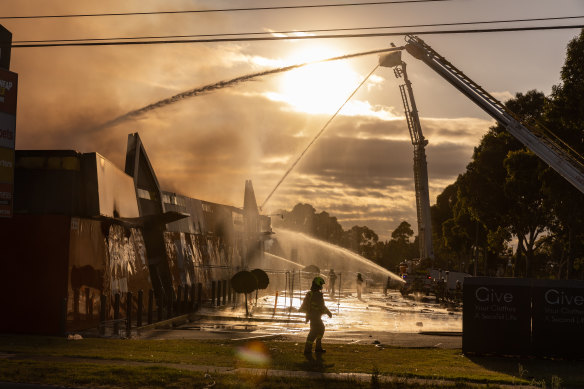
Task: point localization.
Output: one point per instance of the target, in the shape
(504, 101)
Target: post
(169, 310)
(192, 304)
(185, 300)
(139, 313)
(275, 304)
(213, 291)
(63, 320)
(128, 313)
(199, 294)
(178, 299)
(116, 313)
(150, 303)
(300, 282)
(229, 291)
(340, 286)
(286, 280)
(102, 306)
(224, 292)
(291, 290)
(88, 306)
(76, 304)
(159, 304)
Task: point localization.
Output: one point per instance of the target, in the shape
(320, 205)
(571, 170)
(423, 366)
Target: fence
(132, 310)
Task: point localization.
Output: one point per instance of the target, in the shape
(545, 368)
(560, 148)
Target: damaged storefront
(91, 244)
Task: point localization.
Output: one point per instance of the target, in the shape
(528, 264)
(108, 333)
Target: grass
(425, 363)
(84, 374)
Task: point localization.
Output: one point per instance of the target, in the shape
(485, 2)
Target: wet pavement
(414, 321)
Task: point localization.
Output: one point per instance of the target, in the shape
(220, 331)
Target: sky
(360, 170)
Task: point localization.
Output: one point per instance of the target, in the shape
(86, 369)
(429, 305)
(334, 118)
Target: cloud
(503, 96)
(359, 171)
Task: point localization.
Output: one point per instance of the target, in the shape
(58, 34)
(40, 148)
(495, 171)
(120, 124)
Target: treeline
(359, 239)
(508, 214)
(508, 197)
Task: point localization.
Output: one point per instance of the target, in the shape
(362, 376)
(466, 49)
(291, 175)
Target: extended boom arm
(551, 150)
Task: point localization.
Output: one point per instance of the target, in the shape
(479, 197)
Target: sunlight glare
(320, 88)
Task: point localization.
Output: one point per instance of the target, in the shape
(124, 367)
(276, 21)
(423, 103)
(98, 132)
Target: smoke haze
(360, 170)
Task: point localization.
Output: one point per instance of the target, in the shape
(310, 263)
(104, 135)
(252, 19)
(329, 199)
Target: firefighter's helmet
(318, 281)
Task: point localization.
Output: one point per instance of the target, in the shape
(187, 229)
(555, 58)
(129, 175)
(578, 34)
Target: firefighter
(332, 279)
(313, 306)
(360, 281)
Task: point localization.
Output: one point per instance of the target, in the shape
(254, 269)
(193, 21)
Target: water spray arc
(224, 84)
(316, 137)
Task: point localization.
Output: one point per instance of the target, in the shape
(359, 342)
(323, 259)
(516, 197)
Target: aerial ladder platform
(551, 149)
(393, 60)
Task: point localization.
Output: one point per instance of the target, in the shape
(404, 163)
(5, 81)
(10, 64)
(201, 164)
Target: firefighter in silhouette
(360, 282)
(332, 280)
(313, 306)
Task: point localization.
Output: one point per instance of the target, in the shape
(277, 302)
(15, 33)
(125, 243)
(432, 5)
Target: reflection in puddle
(375, 312)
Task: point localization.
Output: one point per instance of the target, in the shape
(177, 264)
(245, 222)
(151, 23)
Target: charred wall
(83, 228)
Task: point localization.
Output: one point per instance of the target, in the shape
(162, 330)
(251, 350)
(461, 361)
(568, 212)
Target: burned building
(84, 231)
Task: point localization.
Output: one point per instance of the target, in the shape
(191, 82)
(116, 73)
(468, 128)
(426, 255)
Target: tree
(361, 240)
(565, 118)
(327, 228)
(529, 216)
(403, 232)
(498, 195)
(303, 218)
(400, 246)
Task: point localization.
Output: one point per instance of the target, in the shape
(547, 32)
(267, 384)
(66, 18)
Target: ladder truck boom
(552, 150)
(420, 164)
(393, 60)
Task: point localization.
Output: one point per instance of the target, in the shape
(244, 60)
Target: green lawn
(426, 363)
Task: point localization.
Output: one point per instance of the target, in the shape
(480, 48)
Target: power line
(276, 38)
(305, 31)
(223, 9)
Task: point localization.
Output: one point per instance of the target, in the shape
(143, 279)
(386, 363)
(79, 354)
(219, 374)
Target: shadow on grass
(571, 372)
(314, 362)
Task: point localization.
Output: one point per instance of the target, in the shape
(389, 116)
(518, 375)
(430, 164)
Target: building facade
(84, 231)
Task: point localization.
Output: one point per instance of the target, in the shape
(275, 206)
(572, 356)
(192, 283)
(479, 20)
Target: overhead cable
(308, 37)
(222, 9)
(305, 31)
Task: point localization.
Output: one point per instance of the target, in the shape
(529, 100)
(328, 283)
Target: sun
(319, 88)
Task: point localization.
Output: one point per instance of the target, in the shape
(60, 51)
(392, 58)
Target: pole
(128, 314)
(291, 290)
(300, 283)
(340, 286)
(102, 302)
(286, 275)
(139, 312)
